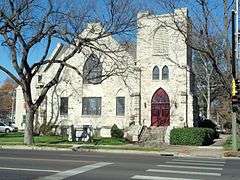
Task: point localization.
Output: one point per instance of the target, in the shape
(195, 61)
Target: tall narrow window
(165, 73)
(120, 106)
(64, 106)
(92, 70)
(91, 105)
(155, 73)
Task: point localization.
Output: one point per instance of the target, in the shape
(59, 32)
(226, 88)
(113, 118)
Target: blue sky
(36, 52)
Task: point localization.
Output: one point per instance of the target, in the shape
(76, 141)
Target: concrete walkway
(215, 150)
(222, 139)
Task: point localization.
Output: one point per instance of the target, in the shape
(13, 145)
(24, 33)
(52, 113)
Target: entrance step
(152, 136)
(132, 133)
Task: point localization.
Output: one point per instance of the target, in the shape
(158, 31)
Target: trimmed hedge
(192, 136)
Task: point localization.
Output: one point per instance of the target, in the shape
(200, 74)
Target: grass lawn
(228, 148)
(109, 141)
(228, 143)
(16, 138)
(62, 142)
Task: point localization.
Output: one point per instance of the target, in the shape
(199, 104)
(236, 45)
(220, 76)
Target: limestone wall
(171, 51)
(157, 44)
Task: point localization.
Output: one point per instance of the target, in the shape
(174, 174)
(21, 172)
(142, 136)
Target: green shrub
(116, 132)
(209, 124)
(192, 136)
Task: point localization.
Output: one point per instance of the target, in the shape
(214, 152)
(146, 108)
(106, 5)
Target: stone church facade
(156, 91)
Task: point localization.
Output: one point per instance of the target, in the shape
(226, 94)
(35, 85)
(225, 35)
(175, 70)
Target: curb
(164, 154)
(122, 151)
(18, 147)
(161, 153)
(210, 147)
(232, 158)
(79, 149)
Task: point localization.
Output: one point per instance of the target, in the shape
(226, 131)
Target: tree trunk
(208, 97)
(28, 133)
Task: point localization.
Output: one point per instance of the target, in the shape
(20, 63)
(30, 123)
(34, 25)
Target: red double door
(160, 109)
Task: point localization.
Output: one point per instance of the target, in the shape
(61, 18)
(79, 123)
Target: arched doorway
(160, 109)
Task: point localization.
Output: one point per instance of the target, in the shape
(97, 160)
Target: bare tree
(208, 34)
(208, 85)
(27, 25)
(204, 72)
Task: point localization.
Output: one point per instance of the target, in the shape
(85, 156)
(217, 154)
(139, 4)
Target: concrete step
(153, 136)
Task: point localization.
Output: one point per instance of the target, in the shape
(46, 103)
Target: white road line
(196, 164)
(40, 159)
(184, 172)
(26, 169)
(196, 161)
(73, 172)
(191, 167)
(158, 178)
(200, 158)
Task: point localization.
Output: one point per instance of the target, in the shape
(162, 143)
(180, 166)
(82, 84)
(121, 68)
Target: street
(46, 165)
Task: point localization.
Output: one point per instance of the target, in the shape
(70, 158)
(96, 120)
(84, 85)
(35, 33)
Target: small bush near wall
(116, 132)
(192, 136)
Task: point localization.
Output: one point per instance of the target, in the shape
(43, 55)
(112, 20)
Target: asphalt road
(55, 165)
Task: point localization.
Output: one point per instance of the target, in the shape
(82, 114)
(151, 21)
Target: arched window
(155, 73)
(165, 73)
(92, 70)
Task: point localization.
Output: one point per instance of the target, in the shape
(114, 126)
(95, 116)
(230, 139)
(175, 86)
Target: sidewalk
(166, 150)
(195, 151)
(214, 151)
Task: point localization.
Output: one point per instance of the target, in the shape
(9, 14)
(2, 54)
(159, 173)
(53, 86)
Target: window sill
(161, 54)
(90, 116)
(120, 116)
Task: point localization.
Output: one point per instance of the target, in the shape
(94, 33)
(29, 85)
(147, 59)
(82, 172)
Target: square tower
(165, 61)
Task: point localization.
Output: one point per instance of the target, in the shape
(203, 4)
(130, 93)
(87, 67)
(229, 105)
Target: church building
(155, 90)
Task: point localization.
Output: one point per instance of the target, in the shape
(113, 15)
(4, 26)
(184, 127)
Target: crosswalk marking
(72, 172)
(197, 164)
(158, 178)
(191, 167)
(197, 161)
(184, 172)
(184, 167)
